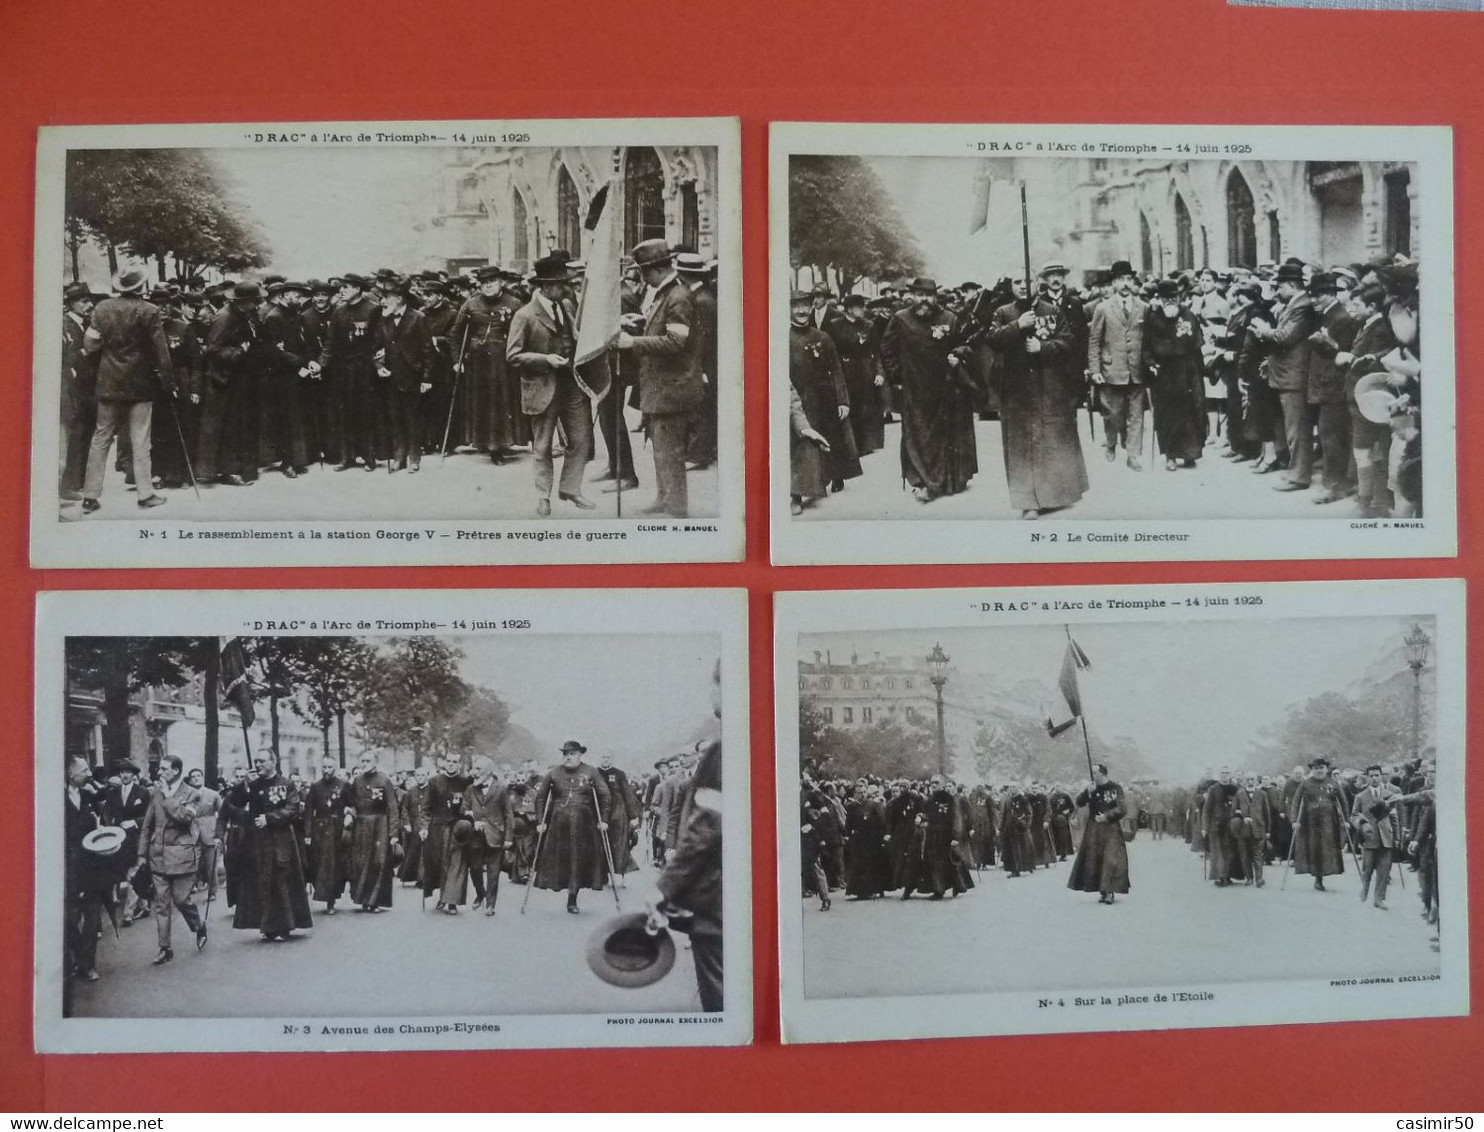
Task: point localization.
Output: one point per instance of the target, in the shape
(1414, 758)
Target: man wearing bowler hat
(543, 339)
(227, 443)
(78, 375)
(287, 357)
(404, 365)
(127, 337)
(667, 341)
(1114, 359)
(572, 808)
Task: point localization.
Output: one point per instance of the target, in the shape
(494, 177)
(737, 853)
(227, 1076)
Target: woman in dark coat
(1172, 351)
(1102, 858)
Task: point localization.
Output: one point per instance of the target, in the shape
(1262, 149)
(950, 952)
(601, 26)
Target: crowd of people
(868, 837)
(274, 844)
(1307, 372)
(212, 386)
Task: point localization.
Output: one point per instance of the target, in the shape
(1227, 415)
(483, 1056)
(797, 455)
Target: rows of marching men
(931, 836)
(1308, 373)
(215, 386)
(269, 846)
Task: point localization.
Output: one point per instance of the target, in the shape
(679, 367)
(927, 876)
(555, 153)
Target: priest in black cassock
(273, 900)
(1102, 858)
(328, 804)
(575, 806)
(377, 829)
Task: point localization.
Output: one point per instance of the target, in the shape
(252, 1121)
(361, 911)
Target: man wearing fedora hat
(695, 273)
(78, 376)
(404, 363)
(347, 357)
(572, 807)
(127, 338)
(286, 376)
(541, 345)
(227, 443)
(1288, 370)
(667, 341)
(1115, 350)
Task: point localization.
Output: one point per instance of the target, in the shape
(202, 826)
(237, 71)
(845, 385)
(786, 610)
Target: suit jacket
(232, 344)
(77, 367)
(1288, 345)
(409, 349)
(533, 335)
(286, 342)
(170, 833)
(669, 353)
(127, 336)
(351, 338)
(705, 303)
(1378, 830)
(1373, 341)
(1336, 332)
(492, 806)
(1115, 347)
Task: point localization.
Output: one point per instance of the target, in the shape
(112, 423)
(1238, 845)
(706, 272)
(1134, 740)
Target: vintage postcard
(1018, 343)
(388, 343)
(366, 820)
(1047, 810)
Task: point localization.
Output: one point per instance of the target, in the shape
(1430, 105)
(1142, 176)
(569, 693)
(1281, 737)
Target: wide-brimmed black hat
(463, 831)
(624, 953)
(1167, 289)
(573, 745)
(74, 291)
(550, 269)
(1290, 273)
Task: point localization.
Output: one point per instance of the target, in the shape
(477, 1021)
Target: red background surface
(1075, 61)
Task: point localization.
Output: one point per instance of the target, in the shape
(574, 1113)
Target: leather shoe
(628, 484)
(152, 500)
(1289, 485)
(163, 957)
(582, 503)
(604, 477)
(543, 507)
(290, 472)
(232, 480)
(655, 508)
(200, 937)
(90, 505)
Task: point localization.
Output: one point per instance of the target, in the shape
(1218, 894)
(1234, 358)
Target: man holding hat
(1370, 441)
(541, 345)
(404, 365)
(78, 376)
(347, 356)
(227, 445)
(1115, 352)
(1288, 371)
(1038, 403)
(1378, 827)
(127, 339)
(1333, 338)
(667, 340)
(572, 856)
(488, 415)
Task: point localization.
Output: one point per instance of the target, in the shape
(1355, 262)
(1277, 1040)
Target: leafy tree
(842, 220)
(480, 725)
(118, 667)
(1372, 727)
(411, 696)
(892, 748)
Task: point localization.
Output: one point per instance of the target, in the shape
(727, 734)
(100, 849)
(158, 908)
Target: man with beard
(1115, 352)
(625, 815)
(816, 376)
(172, 840)
(442, 802)
(1102, 858)
(287, 354)
(1061, 809)
(273, 899)
(404, 364)
(574, 805)
(1374, 817)
(1288, 350)
(409, 810)
(919, 353)
(1225, 804)
(375, 835)
(347, 356)
(856, 345)
(1173, 344)
(1318, 825)
(327, 804)
(1044, 469)
(481, 856)
(1016, 852)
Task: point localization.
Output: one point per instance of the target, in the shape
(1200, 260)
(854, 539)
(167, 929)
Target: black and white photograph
(360, 820)
(1111, 808)
(1040, 342)
(249, 337)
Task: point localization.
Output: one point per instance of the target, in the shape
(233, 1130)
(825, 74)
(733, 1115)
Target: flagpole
(1082, 719)
(1025, 240)
(619, 424)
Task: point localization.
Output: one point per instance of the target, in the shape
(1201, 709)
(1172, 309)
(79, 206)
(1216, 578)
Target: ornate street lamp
(937, 661)
(1418, 644)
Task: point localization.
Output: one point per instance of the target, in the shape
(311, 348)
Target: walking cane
(453, 395)
(1292, 846)
(536, 859)
(607, 848)
(184, 450)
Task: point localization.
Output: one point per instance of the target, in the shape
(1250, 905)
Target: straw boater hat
(105, 841)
